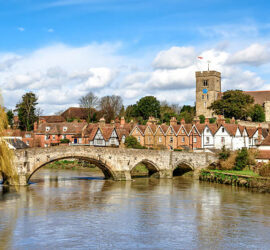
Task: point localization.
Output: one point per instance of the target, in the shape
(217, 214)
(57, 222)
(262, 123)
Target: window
(53, 137)
(139, 138)
(64, 129)
(207, 96)
(205, 83)
(47, 129)
(171, 139)
(195, 139)
(47, 137)
(183, 139)
(27, 143)
(207, 130)
(250, 141)
(183, 131)
(205, 104)
(202, 96)
(80, 140)
(159, 139)
(207, 140)
(149, 139)
(222, 139)
(256, 141)
(123, 139)
(64, 137)
(223, 130)
(27, 135)
(46, 145)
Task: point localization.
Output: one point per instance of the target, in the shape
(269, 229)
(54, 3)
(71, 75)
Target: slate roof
(16, 143)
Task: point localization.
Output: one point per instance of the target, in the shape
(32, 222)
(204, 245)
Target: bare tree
(111, 106)
(89, 101)
(59, 112)
(38, 112)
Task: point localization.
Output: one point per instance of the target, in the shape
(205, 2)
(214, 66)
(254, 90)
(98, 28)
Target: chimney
(173, 121)
(259, 133)
(220, 120)
(112, 122)
(102, 122)
(122, 122)
(35, 126)
(233, 120)
(183, 121)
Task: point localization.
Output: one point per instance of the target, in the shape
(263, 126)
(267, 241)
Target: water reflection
(64, 209)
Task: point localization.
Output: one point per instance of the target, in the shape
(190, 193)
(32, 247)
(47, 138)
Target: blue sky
(131, 48)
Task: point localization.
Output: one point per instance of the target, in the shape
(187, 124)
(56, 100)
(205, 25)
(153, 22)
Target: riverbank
(247, 179)
(72, 165)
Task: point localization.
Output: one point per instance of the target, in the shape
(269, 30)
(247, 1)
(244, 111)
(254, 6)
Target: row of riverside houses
(198, 136)
(53, 130)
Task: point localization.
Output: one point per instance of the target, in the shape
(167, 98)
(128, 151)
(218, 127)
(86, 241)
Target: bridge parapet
(116, 163)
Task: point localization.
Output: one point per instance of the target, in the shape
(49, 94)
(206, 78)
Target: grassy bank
(72, 165)
(140, 171)
(245, 178)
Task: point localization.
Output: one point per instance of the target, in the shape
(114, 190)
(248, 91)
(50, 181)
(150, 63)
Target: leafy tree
(110, 106)
(89, 101)
(10, 117)
(234, 103)
(148, 106)
(131, 142)
(212, 120)
(241, 160)
(26, 111)
(224, 154)
(257, 113)
(188, 108)
(202, 118)
(166, 112)
(131, 112)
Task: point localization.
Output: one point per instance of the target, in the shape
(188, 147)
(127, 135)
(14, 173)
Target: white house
(208, 136)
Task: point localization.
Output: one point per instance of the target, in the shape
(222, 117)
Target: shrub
(229, 163)
(131, 142)
(263, 169)
(227, 120)
(65, 141)
(212, 120)
(224, 154)
(202, 118)
(178, 149)
(241, 160)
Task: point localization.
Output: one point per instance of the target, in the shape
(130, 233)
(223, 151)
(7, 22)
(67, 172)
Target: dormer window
(223, 130)
(47, 129)
(205, 83)
(64, 129)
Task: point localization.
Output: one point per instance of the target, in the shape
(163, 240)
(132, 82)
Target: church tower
(208, 87)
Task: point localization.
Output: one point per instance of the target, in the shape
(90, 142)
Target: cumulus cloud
(256, 54)
(61, 74)
(21, 29)
(50, 30)
(175, 57)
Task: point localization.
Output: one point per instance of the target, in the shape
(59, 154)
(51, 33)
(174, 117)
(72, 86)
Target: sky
(62, 49)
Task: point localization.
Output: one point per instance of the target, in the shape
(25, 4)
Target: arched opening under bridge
(144, 168)
(79, 163)
(182, 168)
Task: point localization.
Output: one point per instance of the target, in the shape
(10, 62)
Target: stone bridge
(115, 163)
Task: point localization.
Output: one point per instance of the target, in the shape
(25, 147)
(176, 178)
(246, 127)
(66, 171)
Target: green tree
(202, 118)
(188, 108)
(26, 111)
(234, 103)
(131, 112)
(131, 142)
(148, 106)
(10, 117)
(241, 160)
(257, 113)
(166, 112)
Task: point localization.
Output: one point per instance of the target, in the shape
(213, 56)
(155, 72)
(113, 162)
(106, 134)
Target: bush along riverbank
(72, 165)
(239, 168)
(261, 184)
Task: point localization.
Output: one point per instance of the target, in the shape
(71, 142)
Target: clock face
(205, 91)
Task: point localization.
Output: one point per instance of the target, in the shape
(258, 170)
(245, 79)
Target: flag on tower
(200, 57)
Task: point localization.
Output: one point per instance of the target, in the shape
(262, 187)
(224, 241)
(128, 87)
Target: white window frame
(48, 129)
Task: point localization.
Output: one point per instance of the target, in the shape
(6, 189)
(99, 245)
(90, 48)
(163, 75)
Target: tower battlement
(208, 73)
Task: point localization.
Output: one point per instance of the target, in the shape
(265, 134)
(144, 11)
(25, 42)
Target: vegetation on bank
(71, 164)
(239, 169)
(132, 142)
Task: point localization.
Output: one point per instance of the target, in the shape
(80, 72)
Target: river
(70, 209)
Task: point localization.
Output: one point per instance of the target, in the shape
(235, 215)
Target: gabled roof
(122, 132)
(192, 128)
(107, 132)
(251, 131)
(266, 141)
(230, 128)
(263, 154)
(188, 128)
(176, 128)
(76, 112)
(58, 128)
(180, 129)
(200, 127)
(15, 143)
(212, 127)
(164, 128)
(141, 128)
(52, 118)
(264, 132)
(259, 96)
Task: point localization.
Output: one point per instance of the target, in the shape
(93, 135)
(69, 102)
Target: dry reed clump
(264, 170)
(6, 155)
(229, 163)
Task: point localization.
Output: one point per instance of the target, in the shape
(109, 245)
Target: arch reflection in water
(145, 168)
(182, 168)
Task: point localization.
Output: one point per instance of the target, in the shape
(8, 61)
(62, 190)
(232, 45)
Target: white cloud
(21, 29)
(60, 74)
(175, 57)
(256, 54)
(50, 30)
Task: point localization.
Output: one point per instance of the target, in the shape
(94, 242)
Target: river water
(65, 210)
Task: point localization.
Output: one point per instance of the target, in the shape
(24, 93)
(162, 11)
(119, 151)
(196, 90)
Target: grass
(243, 172)
(67, 164)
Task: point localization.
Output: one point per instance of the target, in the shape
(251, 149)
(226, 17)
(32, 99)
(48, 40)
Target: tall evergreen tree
(26, 111)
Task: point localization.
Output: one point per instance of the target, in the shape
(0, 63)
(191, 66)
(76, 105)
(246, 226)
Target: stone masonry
(115, 163)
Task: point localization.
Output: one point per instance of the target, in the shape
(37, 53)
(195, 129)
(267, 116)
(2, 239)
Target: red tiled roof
(266, 141)
(53, 118)
(176, 128)
(107, 132)
(58, 128)
(251, 131)
(231, 128)
(75, 112)
(263, 154)
(164, 128)
(200, 127)
(259, 96)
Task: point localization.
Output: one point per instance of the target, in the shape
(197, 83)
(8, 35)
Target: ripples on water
(68, 210)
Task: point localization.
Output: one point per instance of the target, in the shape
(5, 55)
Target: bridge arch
(152, 168)
(182, 167)
(105, 167)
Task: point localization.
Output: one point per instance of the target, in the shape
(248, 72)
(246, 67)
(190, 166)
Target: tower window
(202, 96)
(205, 83)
